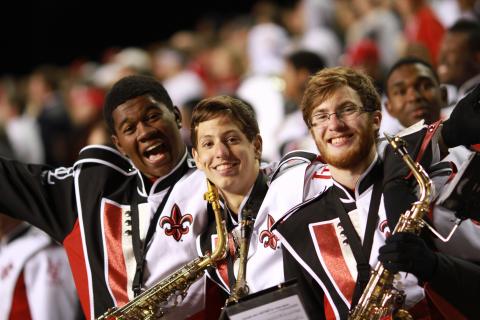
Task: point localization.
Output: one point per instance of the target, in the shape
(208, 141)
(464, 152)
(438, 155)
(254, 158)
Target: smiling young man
(126, 219)
(330, 242)
(227, 147)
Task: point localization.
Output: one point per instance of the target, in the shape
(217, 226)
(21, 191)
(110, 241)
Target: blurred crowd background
(263, 56)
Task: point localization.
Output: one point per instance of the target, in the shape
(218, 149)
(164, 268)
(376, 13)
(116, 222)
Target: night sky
(57, 32)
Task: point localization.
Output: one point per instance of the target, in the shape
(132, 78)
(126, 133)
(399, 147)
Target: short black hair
(407, 61)
(304, 59)
(131, 87)
(472, 29)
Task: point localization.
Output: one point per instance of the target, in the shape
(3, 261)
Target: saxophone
(380, 299)
(148, 305)
(240, 288)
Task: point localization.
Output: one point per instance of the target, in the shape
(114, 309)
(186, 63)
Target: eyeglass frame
(340, 116)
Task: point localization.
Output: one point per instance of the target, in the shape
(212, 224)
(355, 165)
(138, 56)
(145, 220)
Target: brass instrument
(240, 289)
(148, 305)
(381, 299)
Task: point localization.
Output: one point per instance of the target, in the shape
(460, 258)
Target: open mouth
(155, 152)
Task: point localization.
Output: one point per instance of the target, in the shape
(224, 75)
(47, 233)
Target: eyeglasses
(344, 114)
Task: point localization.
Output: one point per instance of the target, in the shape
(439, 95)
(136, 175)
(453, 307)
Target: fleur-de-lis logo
(176, 225)
(267, 237)
(53, 270)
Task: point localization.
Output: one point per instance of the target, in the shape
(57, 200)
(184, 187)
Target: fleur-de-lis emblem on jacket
(176, 225)
(267, 237)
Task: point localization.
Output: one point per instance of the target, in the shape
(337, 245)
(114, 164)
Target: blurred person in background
(46, 103)
(422, 30)
(310, 29)
(292, 133)
(171, 67)
(375, 23)
(21, 130)
(85, 103)
(459, 60)
(35, 278)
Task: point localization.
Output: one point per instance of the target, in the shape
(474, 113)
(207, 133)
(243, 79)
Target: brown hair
(237, 110)
(324, 83)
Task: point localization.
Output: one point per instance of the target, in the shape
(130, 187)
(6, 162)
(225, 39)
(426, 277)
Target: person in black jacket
(330, 242)
(101, 208)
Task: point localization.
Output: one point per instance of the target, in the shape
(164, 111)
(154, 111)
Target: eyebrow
(223, 134)
(341, 105)
(147, 109)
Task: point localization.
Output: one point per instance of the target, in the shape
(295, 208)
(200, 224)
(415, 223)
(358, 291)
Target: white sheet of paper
(289, 308)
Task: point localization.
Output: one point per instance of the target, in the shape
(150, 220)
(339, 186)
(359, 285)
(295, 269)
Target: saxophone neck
(213, 198)
(424, 182)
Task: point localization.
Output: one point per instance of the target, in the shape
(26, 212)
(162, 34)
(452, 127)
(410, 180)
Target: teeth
(153, 147)
(339, 140)
(224, 166)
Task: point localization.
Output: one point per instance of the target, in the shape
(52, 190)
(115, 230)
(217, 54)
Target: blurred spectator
(120, 63)
(307, 33)
(223, 69)
(459, 62)
(85, 102)
(376, 23)
(262, 88)
(45, 102)
(422, 29)
(365, 56)
(170, 67)
(21, 130)
(293, 133)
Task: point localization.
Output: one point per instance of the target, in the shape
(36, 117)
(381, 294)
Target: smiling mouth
(420, 111)
(155, 152)
(338, 141)
(224, 167)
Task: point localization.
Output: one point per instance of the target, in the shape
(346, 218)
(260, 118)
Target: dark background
(57, 32)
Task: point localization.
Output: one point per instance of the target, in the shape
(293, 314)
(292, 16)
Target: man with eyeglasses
(331, 241)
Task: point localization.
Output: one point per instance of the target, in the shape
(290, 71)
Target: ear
(376, 119)
(178, 116)
(196, 157)
(257, 144)
(117, 144)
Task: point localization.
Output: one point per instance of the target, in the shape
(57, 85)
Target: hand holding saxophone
(380, 297)
(409, 253)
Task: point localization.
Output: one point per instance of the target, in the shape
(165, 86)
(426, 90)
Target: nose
(145, 132)
(413, 93)
(221, 150)
(334, 121)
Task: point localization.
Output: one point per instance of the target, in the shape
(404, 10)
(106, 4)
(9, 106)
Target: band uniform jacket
(35, 278)
(87, 208)
(298, 170)
(328, 276)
